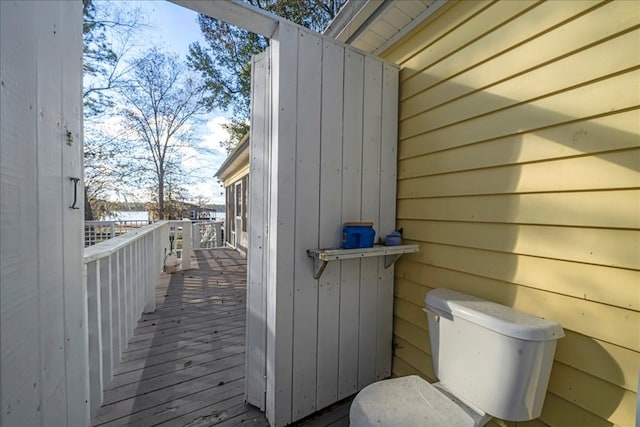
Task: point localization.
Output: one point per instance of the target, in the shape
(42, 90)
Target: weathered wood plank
(170, 366)
(191, 372)
(178, 385)
(336, 414)
(165, 396)
(229, 394)
(194, 331)
(160, 349)
(228, 409)
(171, 354)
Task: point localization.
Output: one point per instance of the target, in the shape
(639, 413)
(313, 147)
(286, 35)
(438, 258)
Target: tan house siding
(234, 175)
(518, 176)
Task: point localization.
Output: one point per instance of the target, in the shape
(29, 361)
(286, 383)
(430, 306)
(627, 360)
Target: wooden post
(196, 235)
(218, 234)
(187, 244)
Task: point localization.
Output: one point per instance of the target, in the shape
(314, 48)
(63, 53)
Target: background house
(518, 160)
(234, 174)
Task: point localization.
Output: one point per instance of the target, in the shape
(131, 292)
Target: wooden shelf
(390, 253)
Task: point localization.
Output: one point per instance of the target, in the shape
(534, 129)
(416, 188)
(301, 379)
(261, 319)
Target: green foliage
(225, 63)
(237, 129)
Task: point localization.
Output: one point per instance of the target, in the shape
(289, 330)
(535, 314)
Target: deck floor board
(184, 365)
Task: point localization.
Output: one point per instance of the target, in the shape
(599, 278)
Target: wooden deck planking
(185, 364)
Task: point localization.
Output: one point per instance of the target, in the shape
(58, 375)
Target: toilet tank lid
(496, 317)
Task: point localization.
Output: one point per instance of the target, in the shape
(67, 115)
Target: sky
(173, 28)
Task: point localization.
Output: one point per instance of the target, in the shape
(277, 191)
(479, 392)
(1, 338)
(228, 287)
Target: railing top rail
(108, 247)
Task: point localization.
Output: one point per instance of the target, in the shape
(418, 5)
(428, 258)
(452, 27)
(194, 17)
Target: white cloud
(205, 164)
(214, 134)
(209, 190)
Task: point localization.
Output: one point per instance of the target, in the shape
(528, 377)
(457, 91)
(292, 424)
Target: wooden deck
(184, 366)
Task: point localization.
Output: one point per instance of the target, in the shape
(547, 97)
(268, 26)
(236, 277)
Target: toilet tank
(491, 356)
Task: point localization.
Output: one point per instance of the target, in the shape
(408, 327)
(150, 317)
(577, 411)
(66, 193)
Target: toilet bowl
(411, 401)
(491, 360)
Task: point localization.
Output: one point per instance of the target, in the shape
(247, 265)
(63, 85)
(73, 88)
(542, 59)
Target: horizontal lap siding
(518, 177)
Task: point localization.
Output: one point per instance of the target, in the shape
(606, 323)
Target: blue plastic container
(358, 235)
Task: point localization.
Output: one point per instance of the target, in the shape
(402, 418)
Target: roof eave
(233, 157)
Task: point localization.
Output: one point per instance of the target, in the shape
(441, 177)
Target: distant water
(128, 216)
(144, 216)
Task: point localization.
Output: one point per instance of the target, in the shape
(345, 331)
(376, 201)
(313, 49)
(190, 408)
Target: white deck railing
(121, 275)
(99, 231)
(207, 234)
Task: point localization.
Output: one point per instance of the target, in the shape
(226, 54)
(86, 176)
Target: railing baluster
(106, 312)
(129, 290)
(120, 277)
(115, 309)
(187, 250)
(124, 337)
(92, 274)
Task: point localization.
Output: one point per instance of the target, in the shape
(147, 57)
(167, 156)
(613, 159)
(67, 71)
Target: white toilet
(491, 360)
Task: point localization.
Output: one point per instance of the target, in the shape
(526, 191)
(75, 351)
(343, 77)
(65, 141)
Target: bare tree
(162, 101)
(109, 30)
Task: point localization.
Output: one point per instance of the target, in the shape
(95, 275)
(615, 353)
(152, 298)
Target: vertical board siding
(49, 154)
(332, 151)
(20, 363)
(387, 213)
(71, 140)
(329, 222)
(307, 177)
(370, 211)
(284, 51)
(518, 177)
(258, 207)
(351, 211)
(43, 324)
